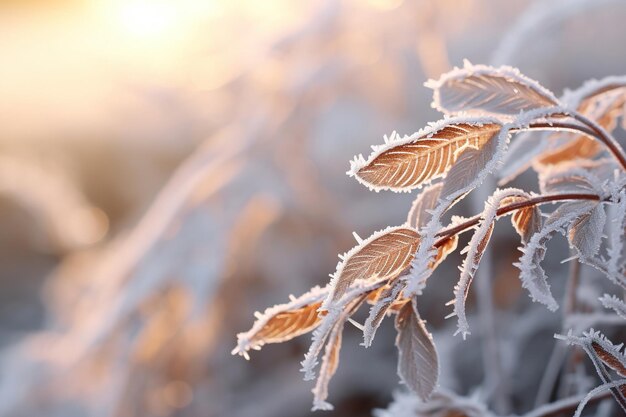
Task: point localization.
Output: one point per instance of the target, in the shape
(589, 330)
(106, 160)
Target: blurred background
(169, 167)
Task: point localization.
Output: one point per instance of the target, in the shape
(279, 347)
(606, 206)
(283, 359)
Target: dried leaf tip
(282, 322)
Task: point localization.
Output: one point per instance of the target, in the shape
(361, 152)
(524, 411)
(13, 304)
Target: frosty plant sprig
(581, 168)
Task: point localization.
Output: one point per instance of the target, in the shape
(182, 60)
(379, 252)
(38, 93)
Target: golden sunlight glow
(145, 18)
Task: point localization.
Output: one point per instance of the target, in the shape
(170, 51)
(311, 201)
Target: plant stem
(542, 199)
(588, 127)
(604, 137)
(558, 125)
(567, 405)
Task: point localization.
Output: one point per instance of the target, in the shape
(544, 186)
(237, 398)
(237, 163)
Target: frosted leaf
(595, 93)
(526, 221)
(592, 174)
(585, 233)
(597, 345)
(388, 296)
(468, 270)
(470, 165)
(446, 248)
(383, 255)
(532, 274)
(578, 147)
(320, 336)
(613, 265)
(283, 322)
(610, 356)
(475, 249)
(572, 146)
(329, 333)
(601, 101)
(408, 163)
(340, 312)
(486, 90)
(419, 215)
(418, 366)
(330, 362)
(569, 178)
(604, 355)
(542, 150)
(614, 303)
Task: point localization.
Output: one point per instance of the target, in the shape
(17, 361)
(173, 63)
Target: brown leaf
(526, 221)
(404, 165)
(532, 274)
(568, 180)
(482, 245)
(289, 324)
(605, 106)
(447, 247)
(482, 89)
(388, 297)
(475, 250)
(580, 147)
(330, 362)
(609, 359)
(585, 233)
(374, 296)
(333, 357)
(418, 365)
(328, 326)
(470, 166)
(419, 214)
(398, 304)
(283, 322)
(384, 254)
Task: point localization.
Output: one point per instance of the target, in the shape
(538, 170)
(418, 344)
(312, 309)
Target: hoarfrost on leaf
(383, 255)
(532, 273)
(487, 90)
(409, 163)
(418, 365)
(377, 313)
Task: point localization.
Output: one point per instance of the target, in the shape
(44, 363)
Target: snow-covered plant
(581, 167)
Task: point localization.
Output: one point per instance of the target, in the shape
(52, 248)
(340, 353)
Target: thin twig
(558, 125)
(565, 406)
(604, 137)
(473, 221)
(587, 127)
